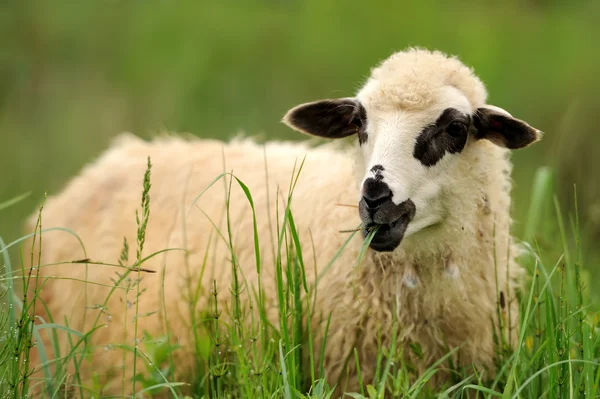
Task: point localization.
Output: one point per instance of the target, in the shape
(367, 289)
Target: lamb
(428, 169)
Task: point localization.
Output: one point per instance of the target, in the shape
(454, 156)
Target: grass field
(557, 355)
(73, 76)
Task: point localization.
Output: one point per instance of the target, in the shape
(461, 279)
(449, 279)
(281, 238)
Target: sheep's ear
(332, 119)
(498, 126)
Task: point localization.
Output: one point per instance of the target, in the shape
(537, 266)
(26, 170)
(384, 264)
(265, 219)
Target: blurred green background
(75, 74)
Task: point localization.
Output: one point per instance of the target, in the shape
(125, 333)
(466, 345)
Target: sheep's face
(410, 152)
(409, 157)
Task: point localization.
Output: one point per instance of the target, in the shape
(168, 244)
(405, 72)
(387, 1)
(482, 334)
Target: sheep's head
(413, 118)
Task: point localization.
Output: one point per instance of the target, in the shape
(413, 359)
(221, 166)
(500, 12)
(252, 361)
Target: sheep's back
(99, 206)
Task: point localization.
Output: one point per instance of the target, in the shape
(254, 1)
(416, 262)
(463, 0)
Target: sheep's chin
(418, 225)
(388, 236)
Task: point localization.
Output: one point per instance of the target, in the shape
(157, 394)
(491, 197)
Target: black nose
(375, 192)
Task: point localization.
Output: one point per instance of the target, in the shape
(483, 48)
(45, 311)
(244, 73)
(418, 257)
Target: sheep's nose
(375, 192)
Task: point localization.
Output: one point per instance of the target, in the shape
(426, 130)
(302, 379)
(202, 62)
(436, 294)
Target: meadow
(72, 76)
(556, 355)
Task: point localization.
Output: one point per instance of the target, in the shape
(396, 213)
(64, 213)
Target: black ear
(499, 127)
(332, 119)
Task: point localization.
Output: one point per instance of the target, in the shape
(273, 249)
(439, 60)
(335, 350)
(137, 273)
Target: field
(74, 76)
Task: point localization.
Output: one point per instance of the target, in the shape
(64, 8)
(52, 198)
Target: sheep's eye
(456, 129)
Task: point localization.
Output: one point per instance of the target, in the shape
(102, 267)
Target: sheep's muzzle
(391, 221)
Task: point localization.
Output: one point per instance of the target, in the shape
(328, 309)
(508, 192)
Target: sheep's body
(443, 284)
(441, 307)
(99, 205)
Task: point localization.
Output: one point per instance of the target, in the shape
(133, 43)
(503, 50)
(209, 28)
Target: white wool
(440, 284)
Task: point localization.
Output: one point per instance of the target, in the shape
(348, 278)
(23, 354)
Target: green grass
(244, 355)
(73, 76)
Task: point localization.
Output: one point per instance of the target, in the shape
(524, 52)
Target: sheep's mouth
(389, 221)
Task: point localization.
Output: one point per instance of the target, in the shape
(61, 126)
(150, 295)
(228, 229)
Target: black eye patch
(447, 134)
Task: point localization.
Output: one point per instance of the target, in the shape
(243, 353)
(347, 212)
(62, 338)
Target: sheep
(428, 169)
